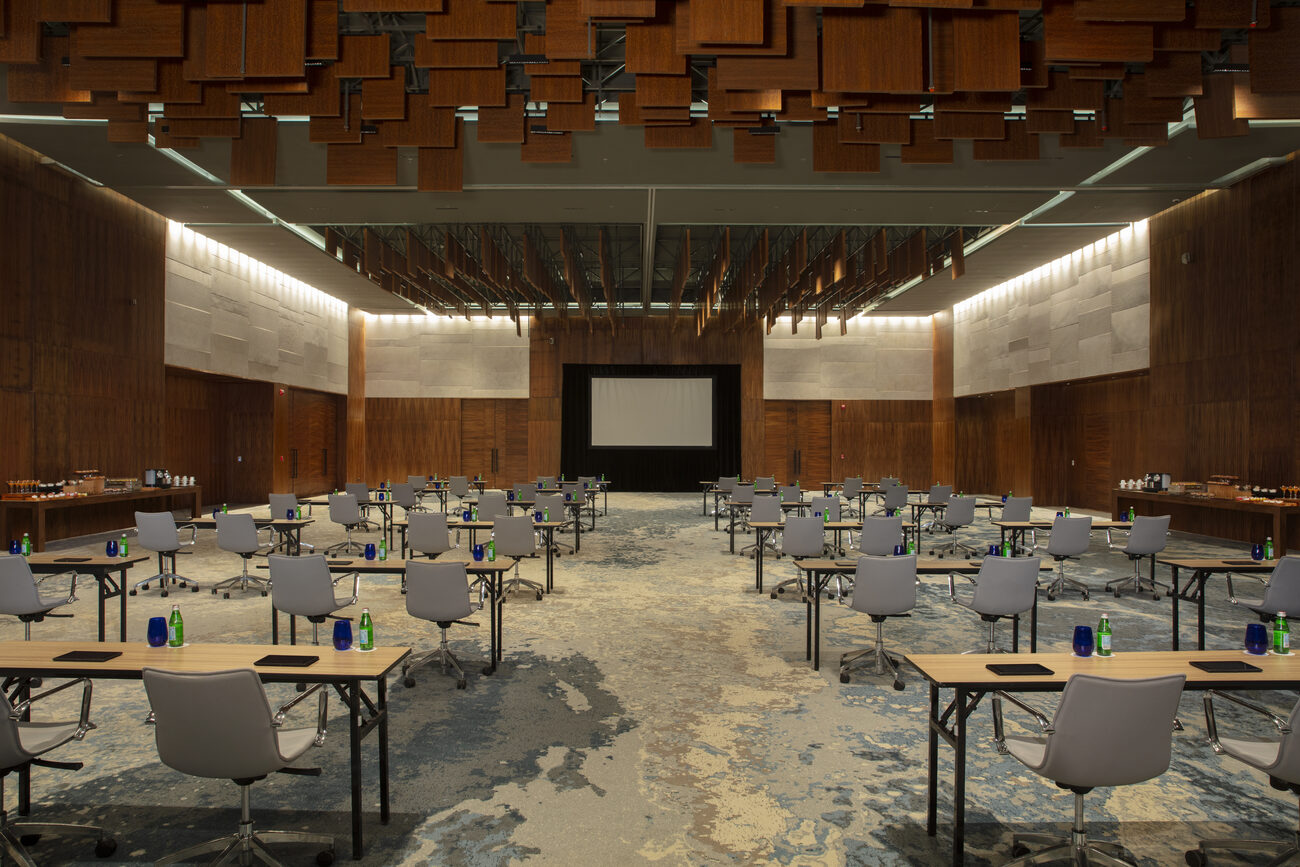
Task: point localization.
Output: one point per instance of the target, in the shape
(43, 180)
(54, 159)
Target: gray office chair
(727, 484)
(361, 491)
(492, 504)
(1070, 539)
(404, 496)
(304, 587)
(790, 493)
(895, 500)
(554, 503)
(802, 538)
(437, 592)
(830, 506)
(345, 511)
(883, 587)
(1281, 591)
(765, 483)
(879, 536)
(22, 745)
(426, 536)
(1147, 538)
(1278, 757)
(238, 534)
(515, 537)
(1021, 509)
(764, 509)
(1078, 751)
(20, 593)
(740, 502)
(458, 487)
(524, 492)
(418, 484)
(1004, 587)
(157, 532)
(888, 482)
(850, 490)
(220, 724)
(547, 481)
(960, 513)
(937, 500)
(281, 504)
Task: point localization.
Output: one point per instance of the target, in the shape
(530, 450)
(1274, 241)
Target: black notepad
(286, 660)
(338, 562)
(846, 562)
(1225, 666)
(72, 559)
(1242, 563)
(1007, 669)
(88, 656)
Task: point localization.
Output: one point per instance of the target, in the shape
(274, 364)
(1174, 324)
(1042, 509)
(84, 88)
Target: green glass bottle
(121, 546)
(27, 545)
(297, 514)
(546, 514)
(366, 638)
(826, 516)
(175, 628)
(224, 509)
(1103, 636)
(383, 548)
(474, 514)
(1268, 548)
(1006, 549)
(1281, 635)
(911, 547)
(1132, 513)
(491, 551)
(1067, 511)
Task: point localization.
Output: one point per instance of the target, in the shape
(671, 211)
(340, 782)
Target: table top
(107, 497)
(832, 525)
(968, 670)
(207, 521)
(1097, 524)
(1234, 564)
(457, 524)
(924, 565)
(1212, 502)
(37, 658)
(398, 565)
(46, 561)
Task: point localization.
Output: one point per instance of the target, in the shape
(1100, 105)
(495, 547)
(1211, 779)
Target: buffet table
(1222, 518)
(94, 513)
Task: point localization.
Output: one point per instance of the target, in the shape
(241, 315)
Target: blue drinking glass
(900, 550)
(156, 634)
(288, 514)
(1257, 552)
(465, 516)
(539, 486)
(994, 551)
(370, 550)
(478, 553)
(110, 548)
(537, 516)
(215, 510)
(342, 634)
(1004, 498)
(1060, 514)
(568, 496)
(1256, 639)
(510, 495)
(15, 547)
(381, 496)
(1083, 640)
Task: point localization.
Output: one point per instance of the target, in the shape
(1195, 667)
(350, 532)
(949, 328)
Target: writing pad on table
(88, 656)
(72, 559)
(846, 562)
(285, 660)
(338, 562)
(1242, 563)
(1007, 669)
(1224, 666)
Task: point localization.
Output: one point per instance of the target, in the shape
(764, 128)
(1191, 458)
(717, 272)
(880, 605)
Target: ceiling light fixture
(524, 60)
(539, 129)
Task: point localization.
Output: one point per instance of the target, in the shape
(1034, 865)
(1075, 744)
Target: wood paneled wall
(81, 338)
(220, 430)
(354, 428)
(994, 444)
(943, 442)
(877, 438)
(412, 435)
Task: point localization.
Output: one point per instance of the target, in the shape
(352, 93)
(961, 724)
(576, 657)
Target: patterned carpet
(654, 709)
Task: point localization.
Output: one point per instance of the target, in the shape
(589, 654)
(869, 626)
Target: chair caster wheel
(1051, 597)
(325, 857)
(1086, 596)
(30, 839)
(214, 593)
(132, 592)
(1115, 592)
(460, 684)
(1195, 857)
(539, 597)
(899, 686)
(773, 594)
(194, 588)
(164, 594)
(408, 682)
(967, 556)
(1155, 597)
(264, 594)
(1019, 850)
(779, 590)
(105, 847)
(844, 678)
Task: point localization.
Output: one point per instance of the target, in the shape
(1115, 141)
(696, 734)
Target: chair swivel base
(246, 845)
(513, 584)
(1061, 583)
(241, 582)
(954, 547)
(162, 578)
(1076, 849)
(13, 834)
(882, 661)
(1140, 584)
(992, 645)
(1282, 852)
(780, 588)
(442, 655)
(346, 547)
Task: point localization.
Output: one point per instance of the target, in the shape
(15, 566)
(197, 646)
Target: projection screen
(647, 412)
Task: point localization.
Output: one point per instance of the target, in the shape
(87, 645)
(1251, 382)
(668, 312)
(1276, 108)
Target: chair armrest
(1232, 594)
(356, 584)
(1211, 725)
(999, 735)
(72, 583)
(322, 711)
(83, 721)
(194, 534)
(952, 586)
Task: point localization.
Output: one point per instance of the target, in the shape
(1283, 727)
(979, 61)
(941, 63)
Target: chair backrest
(587, 482)
(302, 585)
(283, 503)
(765, 509)
(1148, 536)
(1070, 536)
(437, 591)
(344, 509)
(743, 494)
(18, 593)
(524, 491)
(765, 483)
(458, 486)
(884, 586)
(880, 535)
(827, 504)
(728, 483)
(12, 754)
(157, 531)
(419, 483)
(360, 490)
(514, 537)
(1283, 590)
(960, 511)
(803, 536)
(1286, 766)
(1006, 585)
(491, 504)
(1083, 751)
(554, 502)
(547, 481)
(1018, 509)
(940, 494)
(574, 491)
(895, 497)
(888, 482)
(852, 486)
(213, 724)
(791, 493)
(426, 532)
(404, 495)
(237, 533)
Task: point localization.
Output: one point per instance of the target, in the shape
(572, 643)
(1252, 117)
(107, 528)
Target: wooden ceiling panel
(546, 147)
(874, 128)
(342, 129)
(368, 163)
(217, 102)
(503, 125)
(753, 149)
(1260, 106)
(1019, 144)
(1214, 110)
(1174, 73)
(128, 131)
(829, 155)
(568, 34)
(651, 49)
(322, 97)
(925, 147)
(203, 127)
(393, 6)
(112, 73)
(385, 98)
(425, 126)
(1049, 121)
(663, 91)
(873, 49)
(1130, 10)
(728, 22)
(1068, 38)
(1066, 94)
(798, 106)
(76, 11)
(619, 10)
(986, 52)
(1034, 69)
(535, 43)
(1139, 104)
(252, 153)
(472, 19)
(555, 88)
(697, 135)
(362, 57)
(799, 69)
(260, 40)
(47, 81)
(322, 30)
(140, 28)
(999, 103)
(1098, 71)
(1231, 14)
(20, 31)
(967, 124)
(1170, 37)
(104, 106)
(167, 140)
(579, 117)
(1275, 54)
(1087, 134)
(460, 54)
(775, 33)
(442, 170)
(457, 87)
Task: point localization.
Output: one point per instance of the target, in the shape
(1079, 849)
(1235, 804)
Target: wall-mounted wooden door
(313, 442)
(494, 440)
(798, 441)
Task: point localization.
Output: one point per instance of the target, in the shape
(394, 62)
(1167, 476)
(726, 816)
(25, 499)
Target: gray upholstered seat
(1004, 587)
(220, 724)
(879, 536)
(546, 481)
(238, 534)
(21, 596)
(427, 534)
(883, 587)
(1018, 509)
(157, 532)
(1078, 750)
(1146, 539)
(437, 592)
(790, 493)
(345, 511)
(304, 587)
(1281, 591)
(802, 538)
(1070, 540)
(23, 741)
(516, 537)
(553, 504)
(764, 509)
(960, 513)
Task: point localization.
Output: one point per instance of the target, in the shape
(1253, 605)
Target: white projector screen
(651, 412)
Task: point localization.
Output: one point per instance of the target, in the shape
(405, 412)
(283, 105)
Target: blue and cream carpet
(654, 709)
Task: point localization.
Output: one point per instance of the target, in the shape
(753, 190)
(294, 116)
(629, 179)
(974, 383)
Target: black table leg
(577, 531)
(1033, 626)
(758, 560)
(959, 780)
(121, 592)
(493, 614)
(275, 625)
(382, 713)
(1201, 576)
(99, 580)
(932, 770)
(808, 615)
(704, 503)
(500, 594)
(817, 619)
(1173, 612)
(731, 528)
(354, 749)
(1015, 633)
(550, 559)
